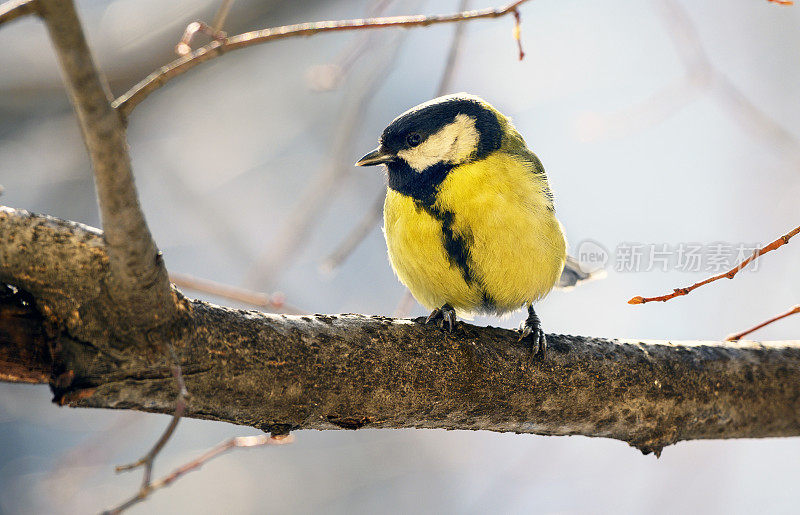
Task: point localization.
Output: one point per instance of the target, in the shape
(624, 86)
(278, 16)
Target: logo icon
(592, 256)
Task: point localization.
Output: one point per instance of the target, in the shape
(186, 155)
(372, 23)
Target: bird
(469, 217)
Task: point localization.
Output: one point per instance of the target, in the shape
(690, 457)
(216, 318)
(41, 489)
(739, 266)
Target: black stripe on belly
(489, 305)
(455, 244)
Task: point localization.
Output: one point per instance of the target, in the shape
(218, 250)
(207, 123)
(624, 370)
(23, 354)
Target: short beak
(376, 157)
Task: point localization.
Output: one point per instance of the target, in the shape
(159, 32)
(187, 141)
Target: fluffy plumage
(469, 218)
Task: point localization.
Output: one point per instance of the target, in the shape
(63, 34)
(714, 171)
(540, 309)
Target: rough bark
(139, 276)
(24, 350)
(279, 372)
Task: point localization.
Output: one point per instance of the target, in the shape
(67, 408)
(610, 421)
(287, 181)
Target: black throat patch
(421, 186)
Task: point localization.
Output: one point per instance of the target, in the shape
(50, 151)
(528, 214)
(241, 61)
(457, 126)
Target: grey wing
(573, 274)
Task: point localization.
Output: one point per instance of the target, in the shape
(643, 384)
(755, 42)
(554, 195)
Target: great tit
(468, 218)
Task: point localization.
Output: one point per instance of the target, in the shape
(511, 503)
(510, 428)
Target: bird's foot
(443, 315)
(533, 327)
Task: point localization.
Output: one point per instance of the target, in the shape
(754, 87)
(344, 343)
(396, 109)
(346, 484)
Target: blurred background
(661, 124)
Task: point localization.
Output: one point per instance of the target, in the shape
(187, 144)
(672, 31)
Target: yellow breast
(489, 243)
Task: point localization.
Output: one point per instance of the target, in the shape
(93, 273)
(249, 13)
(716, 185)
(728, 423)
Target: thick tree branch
(279, 372)
(125, 103)
(24, 351)
(139, 277)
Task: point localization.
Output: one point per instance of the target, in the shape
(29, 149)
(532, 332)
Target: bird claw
(533, 326)
(443, 315)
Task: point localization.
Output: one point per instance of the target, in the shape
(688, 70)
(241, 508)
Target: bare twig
(184, 45)
(446, 81)
(518, 32)
(212, 216)
(233, 443)
(738, 336)
(222, 15)
(14, 9)
(403, 308)
(374, 215)
(214, 30)
(69, 473)
(701, 75)
(136, 265)
(356, 235)
(318, 193)
(147, 460)
(703, 72)
(274, 302)
(783, 240)
(317, 196)
(155, 80)
(326, 77)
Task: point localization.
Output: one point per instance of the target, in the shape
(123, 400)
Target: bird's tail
(573, 274)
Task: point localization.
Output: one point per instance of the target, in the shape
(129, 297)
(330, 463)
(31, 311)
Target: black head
(423, 144)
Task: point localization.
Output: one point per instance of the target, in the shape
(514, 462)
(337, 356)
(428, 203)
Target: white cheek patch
(453, 143)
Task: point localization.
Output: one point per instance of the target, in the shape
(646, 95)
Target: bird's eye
(413, 139)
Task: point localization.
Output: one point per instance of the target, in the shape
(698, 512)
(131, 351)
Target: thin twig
(155, 80)
(274, 302)
(14, 9)
(783, 240)
(71, 470)
(374, 215)
(320, 192)
(326, 77)
(147, 460)
(701, 75)
(356, 235)
(222, 15)
(233, 443)
(184, 46)
(518, 32)
(214, 30)
(212, 216)
(403, 307)
(738, 336)
(445, 83)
